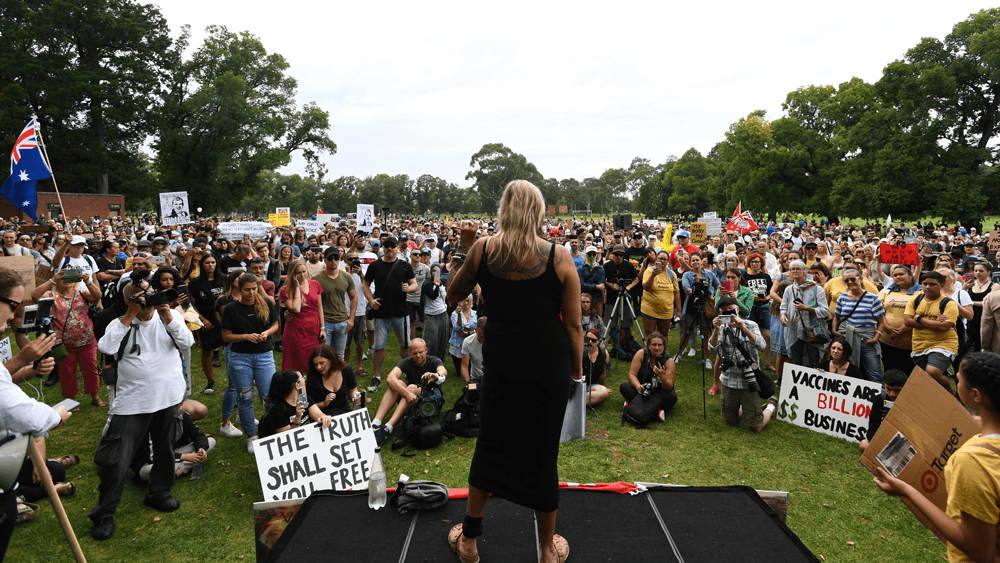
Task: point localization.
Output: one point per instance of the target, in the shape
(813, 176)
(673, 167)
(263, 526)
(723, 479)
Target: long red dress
(301, 334)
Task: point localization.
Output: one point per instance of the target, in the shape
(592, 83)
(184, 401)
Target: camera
(72, 275)
(162, 297)
(726, 319)
(428, 403)
(158, 260)
(37, 317)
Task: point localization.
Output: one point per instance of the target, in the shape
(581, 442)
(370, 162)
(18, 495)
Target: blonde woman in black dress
(530, 359)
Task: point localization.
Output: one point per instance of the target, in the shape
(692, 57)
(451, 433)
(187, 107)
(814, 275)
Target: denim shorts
(761, 314)
(400, 325)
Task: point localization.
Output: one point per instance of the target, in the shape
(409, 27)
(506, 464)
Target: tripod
(590, 377)
(617, 317)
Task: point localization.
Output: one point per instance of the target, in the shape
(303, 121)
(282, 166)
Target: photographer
(652, 371)
(698, 284)
(147, 398)
(737, 387)
(421, 371)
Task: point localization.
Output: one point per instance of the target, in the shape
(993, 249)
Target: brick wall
(84, 205)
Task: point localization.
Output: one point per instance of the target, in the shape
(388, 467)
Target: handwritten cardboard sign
(311, 227)
(899, 254)
(993, 243)
(699, 234)
(300, 461)
(23, 266)
(826, 402)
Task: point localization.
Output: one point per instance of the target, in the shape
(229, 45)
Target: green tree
(494, 166)
(229, 116)
(688, 182)
(90, 70)
(653, 196)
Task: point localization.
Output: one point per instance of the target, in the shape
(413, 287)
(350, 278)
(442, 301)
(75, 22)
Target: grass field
(834, 507)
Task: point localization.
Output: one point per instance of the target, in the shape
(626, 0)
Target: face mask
(591, 259)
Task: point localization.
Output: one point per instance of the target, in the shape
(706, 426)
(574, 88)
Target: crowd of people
(142, 294)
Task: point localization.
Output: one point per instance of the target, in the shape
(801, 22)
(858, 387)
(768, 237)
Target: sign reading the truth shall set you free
(300, 461)
(826, 402)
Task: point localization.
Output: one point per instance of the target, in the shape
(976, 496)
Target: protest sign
(898, 254)
(174, 208)
(283, 210)
(278, 219)
(23, 266)
(699, 234)
(311, 227)
(298, 462)
(709, 215)
(366, 217)
(993, 243)
(925, 425)
(826, 402)
(325, 218)
(233, 230)
(563, 209)
(5, 351)
(713, 225)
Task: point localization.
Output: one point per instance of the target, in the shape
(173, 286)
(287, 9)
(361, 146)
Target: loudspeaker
(622, 222)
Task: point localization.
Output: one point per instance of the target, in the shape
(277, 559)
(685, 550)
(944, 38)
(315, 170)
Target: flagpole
(45, 155)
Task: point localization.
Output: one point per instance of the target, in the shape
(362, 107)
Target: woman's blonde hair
(263, 311)
(519, 220)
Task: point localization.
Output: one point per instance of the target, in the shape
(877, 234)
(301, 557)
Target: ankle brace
(472, 527)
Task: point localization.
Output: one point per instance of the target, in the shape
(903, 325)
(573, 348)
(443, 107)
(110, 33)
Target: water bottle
(376, 484)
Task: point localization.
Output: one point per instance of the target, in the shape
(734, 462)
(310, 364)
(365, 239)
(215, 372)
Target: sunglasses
(593, 340)
(13, 304)
(850, 280)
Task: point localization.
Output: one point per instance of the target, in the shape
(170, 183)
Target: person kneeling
(892, 383)
(653, 370)
(421, 371)
(191, 447)
(737, 390)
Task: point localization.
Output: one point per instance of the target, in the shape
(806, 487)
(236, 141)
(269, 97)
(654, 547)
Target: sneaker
(230, 431)
(772, 401)
(369, 352)
(662, 415)
(256, 422)
(709, 365)
(210, 388)
(216, 362)
(381, 435)
(677, 358)
(376, 381)
(364, 357)
(250, 442)
(691, 352)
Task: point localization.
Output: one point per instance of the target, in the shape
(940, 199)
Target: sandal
(66, 489)
(362, 372)
(713, 391)
(453, 536)
(69, 460)
(98, 402)
(562, 547)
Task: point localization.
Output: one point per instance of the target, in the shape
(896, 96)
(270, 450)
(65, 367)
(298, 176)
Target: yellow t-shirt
(895, 305)
(972, 477)
(659, 303)
(924, 338)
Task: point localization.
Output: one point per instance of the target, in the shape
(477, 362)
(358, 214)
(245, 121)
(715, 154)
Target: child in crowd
(972, 475)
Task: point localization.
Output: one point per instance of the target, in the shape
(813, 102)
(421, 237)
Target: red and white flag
(741, 221)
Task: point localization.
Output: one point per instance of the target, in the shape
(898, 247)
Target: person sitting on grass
(892, 383)
(287, 410)
(418, 368)
(652, 366)
(737, 397)
(972, 474)
(191, 447)
(595, 367)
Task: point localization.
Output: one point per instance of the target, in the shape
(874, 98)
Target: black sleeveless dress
(526, 360)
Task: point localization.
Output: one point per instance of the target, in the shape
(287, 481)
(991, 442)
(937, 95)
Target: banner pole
(45, 155)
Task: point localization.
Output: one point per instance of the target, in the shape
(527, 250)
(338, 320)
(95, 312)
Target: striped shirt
(867, 313)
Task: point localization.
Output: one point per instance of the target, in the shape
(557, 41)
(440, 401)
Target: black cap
(727, 300)
(332, 252)
(390, 242)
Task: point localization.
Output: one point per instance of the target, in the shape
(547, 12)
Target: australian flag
(26, 167)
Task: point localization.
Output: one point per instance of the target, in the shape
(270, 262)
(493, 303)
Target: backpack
(963, 343)
(642, 410)
(627, 349)
(463, 419)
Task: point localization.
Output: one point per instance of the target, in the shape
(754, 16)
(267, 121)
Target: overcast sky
(419, 87)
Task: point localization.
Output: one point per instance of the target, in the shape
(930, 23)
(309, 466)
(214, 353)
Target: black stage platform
(671, 524)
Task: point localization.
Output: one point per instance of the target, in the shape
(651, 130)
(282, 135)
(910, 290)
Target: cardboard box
(924, 427)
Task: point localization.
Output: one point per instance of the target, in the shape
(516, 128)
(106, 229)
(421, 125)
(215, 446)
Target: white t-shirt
(472, 347)
(84, 262)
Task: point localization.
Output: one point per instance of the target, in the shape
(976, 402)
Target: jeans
(399, 325)
(871, 364)
(119, 442)
(336, 337)
(247, 370)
